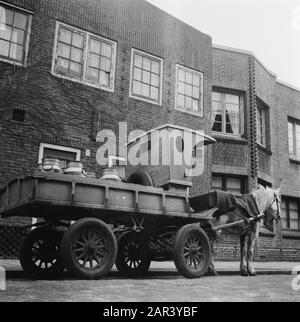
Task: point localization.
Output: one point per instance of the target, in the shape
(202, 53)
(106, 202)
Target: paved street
(162, 284)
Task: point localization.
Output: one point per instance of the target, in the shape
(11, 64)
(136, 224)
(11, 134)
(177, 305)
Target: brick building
(72, 68)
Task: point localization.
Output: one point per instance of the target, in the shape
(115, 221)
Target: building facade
(72, 68)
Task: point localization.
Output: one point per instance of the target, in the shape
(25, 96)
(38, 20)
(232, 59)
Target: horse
(268, 204)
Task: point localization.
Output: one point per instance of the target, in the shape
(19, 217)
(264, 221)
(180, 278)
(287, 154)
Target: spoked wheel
(133, 254)
(88, 249)
(191, 251)
(39, 253)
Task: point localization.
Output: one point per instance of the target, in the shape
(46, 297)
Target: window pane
(233, 185)
(180, 101)
(196, 80)
(233, 99)
(18, 36)
(145, 90)
(216, 96)
(188, 103)
(291, 138)
(75, 70)
(195, 105)
(297, 141)
(217, 117)
(137, 88)
(77, 40)
(20, 20)
(216, 183)
(95, 46)
(6, 16)
(65, 36)
(106, 50)
(196, 92)
(232, 118)
(154, 80)
(138, 61)
(154, 93)
(104, 78)
(63, 65)
(181, 75)
(146, 77)
(105, 64)
(64, 51)
(16, 52)
(94, 61)
(189, 78)
(4, 48)
(189, 90)
(137, 74)
(146, 64)
(93, 75)
(181, 88)
(76, 55)
(6, 33)
(155, 67)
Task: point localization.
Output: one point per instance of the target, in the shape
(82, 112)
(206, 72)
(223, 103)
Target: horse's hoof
(244, 273)
(211, 272)
(252, 273)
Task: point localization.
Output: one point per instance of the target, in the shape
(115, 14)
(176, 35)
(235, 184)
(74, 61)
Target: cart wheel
(88, 249)
(39, 253)
(191, 251)
(133, 254)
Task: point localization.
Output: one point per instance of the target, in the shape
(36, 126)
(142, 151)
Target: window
(146, 77)
(234, 185)
(227, 113)
(290, 213)
(294, 138)
(14, 34)
(189, 89)
(63, 154)
(261, 125)
(84, 57)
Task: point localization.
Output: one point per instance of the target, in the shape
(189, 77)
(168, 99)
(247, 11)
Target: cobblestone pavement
(155, 287)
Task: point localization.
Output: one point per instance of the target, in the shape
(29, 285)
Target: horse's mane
(263, 197)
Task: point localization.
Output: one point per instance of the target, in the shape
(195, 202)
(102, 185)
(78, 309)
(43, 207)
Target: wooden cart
(87, 225)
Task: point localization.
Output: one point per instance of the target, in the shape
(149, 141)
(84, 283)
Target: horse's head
(268, 201)
(274, 211)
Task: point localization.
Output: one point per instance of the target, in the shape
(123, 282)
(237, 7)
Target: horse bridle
(276, 199)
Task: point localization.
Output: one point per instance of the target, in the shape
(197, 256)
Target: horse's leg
(211, 267)
(254, 232)
(243, 264)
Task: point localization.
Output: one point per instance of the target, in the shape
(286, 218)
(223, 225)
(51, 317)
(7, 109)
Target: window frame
(88, 35)
(293, 122)
(287, 201)
(57, 147)
(262, 117)
(224, 177)
(193, 71)
(151, 57)
(27, 35)
(241, 96)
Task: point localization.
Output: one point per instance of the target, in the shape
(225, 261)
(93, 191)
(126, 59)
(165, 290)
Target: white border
(193, 71)
(83, 81)
(57, 147)
(131, 95)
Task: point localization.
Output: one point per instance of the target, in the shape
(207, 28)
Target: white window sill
(144, 99)
(189, 112)
(12, 62)
(83, 83)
